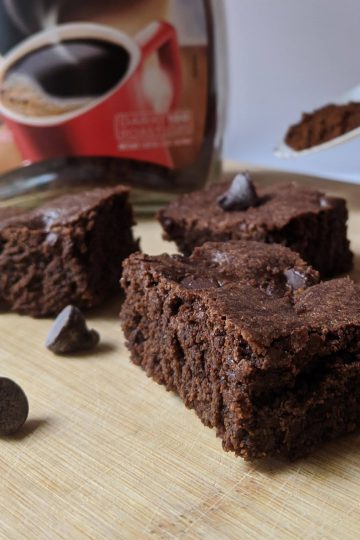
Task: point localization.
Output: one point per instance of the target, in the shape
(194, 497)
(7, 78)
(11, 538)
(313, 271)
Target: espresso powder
(322, 125)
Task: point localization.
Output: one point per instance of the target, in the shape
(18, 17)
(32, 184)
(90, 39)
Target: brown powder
(323, 125)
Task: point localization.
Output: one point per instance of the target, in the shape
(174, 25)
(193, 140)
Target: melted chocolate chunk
(197, 283)
(14, 407)
(295, 279)
(70, 333)
(324, 202)
(241, 194)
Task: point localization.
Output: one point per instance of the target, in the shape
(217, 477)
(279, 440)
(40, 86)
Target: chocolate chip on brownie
(240, 195)
(14, 407)
(70, 333)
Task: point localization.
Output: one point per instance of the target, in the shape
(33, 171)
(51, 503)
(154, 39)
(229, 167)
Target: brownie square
(303, 219)
(249, 338)
(69, 251)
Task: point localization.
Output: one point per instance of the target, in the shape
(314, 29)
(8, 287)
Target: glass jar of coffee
(125, 91)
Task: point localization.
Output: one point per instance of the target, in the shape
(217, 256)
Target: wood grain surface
(107, 453)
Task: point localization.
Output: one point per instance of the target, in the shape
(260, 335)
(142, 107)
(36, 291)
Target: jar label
(121, 78)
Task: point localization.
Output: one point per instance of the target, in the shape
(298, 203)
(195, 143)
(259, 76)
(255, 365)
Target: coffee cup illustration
(85, 89)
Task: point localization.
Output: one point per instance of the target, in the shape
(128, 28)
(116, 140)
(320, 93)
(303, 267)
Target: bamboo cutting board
(107, 453)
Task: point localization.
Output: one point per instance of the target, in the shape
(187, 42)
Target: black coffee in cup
(62, 77)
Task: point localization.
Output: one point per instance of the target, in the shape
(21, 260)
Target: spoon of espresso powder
(325, 127)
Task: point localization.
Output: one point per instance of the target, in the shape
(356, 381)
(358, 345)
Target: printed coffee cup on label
(63, 86)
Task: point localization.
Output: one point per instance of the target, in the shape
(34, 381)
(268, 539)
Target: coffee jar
(122, 91)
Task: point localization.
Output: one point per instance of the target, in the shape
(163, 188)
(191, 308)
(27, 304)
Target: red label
(123, 82)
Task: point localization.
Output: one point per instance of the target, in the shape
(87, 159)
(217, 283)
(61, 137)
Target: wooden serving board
(107, 453)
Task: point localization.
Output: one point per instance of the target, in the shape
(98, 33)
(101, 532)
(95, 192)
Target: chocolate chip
(70, 334)
(241, 195)
(295, 279)
(191, 282)
(14, 407)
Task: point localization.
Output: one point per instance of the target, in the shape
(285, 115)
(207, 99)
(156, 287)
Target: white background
(286, 57)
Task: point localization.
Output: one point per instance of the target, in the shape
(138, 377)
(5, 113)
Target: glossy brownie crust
(250, 340)
(68, 251)
(303, 219)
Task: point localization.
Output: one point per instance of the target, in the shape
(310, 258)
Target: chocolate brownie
(303, 219)
(68, 251)
(323, 125)
(249, 338)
